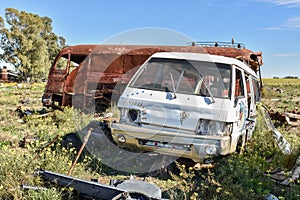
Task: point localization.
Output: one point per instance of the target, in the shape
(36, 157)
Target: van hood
(160, 109)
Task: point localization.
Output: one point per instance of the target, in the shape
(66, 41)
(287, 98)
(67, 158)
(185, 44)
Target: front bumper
(47, 99)
(195, 147)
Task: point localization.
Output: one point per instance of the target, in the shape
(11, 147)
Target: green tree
(29, 43)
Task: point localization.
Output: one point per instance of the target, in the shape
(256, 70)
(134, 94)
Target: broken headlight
(130, 117)
(133, 115)
(211, 127)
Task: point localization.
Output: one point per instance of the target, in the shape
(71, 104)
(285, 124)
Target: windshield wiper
(208, 90)
(173, 85)
(179, 80)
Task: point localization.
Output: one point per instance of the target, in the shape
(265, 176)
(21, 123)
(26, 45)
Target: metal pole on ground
(85, 140)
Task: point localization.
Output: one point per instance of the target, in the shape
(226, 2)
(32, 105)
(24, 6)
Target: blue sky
(270, 26)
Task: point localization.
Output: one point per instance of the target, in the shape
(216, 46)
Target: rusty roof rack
(218, 44)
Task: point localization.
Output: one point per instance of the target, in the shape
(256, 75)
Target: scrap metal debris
(22, 113)
(277, 116)
(271, 197)
(287, 178)
(118, 190)
(292, 119)
(282, 143)
(278, 90)
(294, 174)
(285, 147)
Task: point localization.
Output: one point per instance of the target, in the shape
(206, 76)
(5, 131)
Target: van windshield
(185, 76)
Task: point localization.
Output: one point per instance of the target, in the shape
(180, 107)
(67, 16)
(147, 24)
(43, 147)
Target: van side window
(248, 85)
(239, 86)
(256, 90)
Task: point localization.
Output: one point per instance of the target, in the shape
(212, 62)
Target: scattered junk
(191, 105)
(287, 178)
(86, 75)
(277, 116)
(22, 113)
(271, 197)
(279, 175)
(117, 190)
(294, 174)
(292, 119)
(279, 90)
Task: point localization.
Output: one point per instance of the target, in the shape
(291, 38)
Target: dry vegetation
(239, 176)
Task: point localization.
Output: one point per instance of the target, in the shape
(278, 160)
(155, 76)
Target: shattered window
(183, 76)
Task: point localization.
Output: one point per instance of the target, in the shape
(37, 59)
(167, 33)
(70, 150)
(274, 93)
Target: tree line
(29, 43)
(286, 77)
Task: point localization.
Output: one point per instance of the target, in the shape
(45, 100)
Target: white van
(188, 105)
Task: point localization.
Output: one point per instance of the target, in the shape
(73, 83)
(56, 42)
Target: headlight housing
(211, 127)
(130, 117)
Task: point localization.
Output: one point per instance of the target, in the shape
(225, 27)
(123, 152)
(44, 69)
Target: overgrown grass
(238, 176)
(281, 95)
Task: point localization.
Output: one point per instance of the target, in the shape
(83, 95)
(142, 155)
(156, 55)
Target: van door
(57, 75)
(240, 100)
(54, 90)
(250, 96)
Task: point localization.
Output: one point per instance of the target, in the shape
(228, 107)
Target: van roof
(254, 59)
(205, 57)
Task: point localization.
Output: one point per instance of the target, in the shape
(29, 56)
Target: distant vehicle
(190, 105)
(7, 75)
(86, 75)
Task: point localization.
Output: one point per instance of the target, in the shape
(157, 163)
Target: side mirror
(253, 57)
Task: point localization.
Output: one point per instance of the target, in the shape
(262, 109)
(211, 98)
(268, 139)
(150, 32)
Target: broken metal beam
(86, 188)
(93, 190)
(288, 117)
(292, 115)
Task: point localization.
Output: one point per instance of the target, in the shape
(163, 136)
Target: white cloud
(274, 28)
(293, 23)
(287, 3)
(286, 55)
